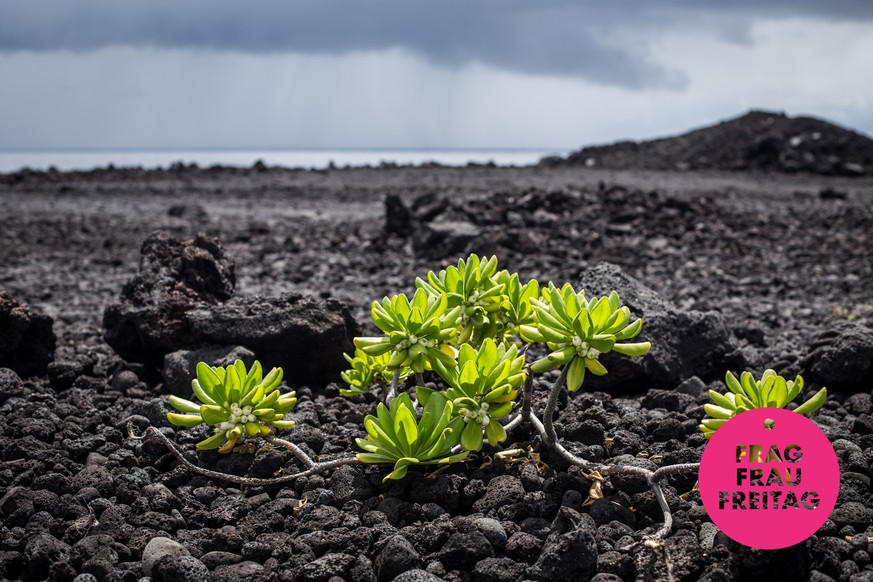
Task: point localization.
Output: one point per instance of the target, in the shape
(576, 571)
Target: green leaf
(184, 419)
(575, 374)
(778, 393)
(733, 384)
(213, 442)
(183, 405)
(400, 468)
(595, 367)
(405, 428)
(637, 349)
(630, 331)
(722, 401)
(213, 414)
(814, 403)
(471, 439)
(717, 411)
(495, 432)
(209, 380)
(201, 394)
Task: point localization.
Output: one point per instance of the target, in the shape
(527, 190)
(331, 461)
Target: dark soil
(761, 140)
(785, 261)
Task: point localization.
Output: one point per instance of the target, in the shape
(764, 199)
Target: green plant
(236, 402)
(578, 331)
(515, 309)
(416, 332)
(483, 386)
(471, 288)
(394, 435)
(367, 371)
(771, 391)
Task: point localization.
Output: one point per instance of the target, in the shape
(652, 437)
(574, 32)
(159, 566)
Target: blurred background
(304, 83)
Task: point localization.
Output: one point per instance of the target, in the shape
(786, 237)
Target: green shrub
(235, 402)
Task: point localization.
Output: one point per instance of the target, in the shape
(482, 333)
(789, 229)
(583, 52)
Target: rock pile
(183, 299)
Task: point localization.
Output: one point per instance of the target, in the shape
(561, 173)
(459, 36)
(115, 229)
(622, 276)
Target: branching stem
(550, 437)
(392, 389)
(313, 469)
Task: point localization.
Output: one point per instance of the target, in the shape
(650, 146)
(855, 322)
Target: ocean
(12, 161)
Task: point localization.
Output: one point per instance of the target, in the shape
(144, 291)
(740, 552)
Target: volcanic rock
(443, 239)
(758, 140)
(398, 218)
(841, 358)
(684, 343)
(181, 300)
(27, 342)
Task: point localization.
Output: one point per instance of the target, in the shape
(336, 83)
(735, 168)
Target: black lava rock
(684, 343)
(27, 341)
(181, 300)
(464, 550)
(396, 557)
(841, 358)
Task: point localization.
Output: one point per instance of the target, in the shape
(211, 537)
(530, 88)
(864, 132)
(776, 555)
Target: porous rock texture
(783, 266)
(685, 343)
(182, 299)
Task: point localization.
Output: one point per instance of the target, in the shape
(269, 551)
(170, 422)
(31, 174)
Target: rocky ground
(729, 270)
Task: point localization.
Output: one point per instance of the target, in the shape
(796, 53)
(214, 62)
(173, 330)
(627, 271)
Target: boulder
(841, 358)
(684, 343)
(398, 218)
(182, 300)
(307, 337)
(443, 239)
(27, 341)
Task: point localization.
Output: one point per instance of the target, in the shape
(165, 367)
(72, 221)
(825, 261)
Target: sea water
(12, 161)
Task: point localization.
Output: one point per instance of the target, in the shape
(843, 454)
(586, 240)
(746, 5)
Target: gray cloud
(551, 38)
(603, 42)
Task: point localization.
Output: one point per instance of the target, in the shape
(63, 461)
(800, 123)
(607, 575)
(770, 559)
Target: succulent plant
(469, 286)
(771, 391)
(578, 331)
(416, 332)
(482, 387)
(366, 371)
(236, 402)
(515, 309)
(394, 435)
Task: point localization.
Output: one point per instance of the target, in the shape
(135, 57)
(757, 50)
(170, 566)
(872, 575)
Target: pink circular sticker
(769, 478)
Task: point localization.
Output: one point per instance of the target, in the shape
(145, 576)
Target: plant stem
(558, 447)
(419, 379)
(550, 437)
(392, 390)
(248, 481)
(295, 450)
(526, 395)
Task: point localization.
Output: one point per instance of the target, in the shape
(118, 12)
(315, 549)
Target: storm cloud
(602, 42)
(430, 74)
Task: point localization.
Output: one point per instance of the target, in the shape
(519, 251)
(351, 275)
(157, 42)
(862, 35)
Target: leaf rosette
(367, 371)
(771, 391)
(236, 402)
(471, 288)
(578, 331)
(394, 435)
(417, 332)
(483, 387)
(515, 308)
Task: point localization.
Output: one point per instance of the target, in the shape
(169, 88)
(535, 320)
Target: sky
(127, 74)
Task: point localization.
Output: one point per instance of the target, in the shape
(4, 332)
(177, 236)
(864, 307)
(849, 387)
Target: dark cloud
(599, 41)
